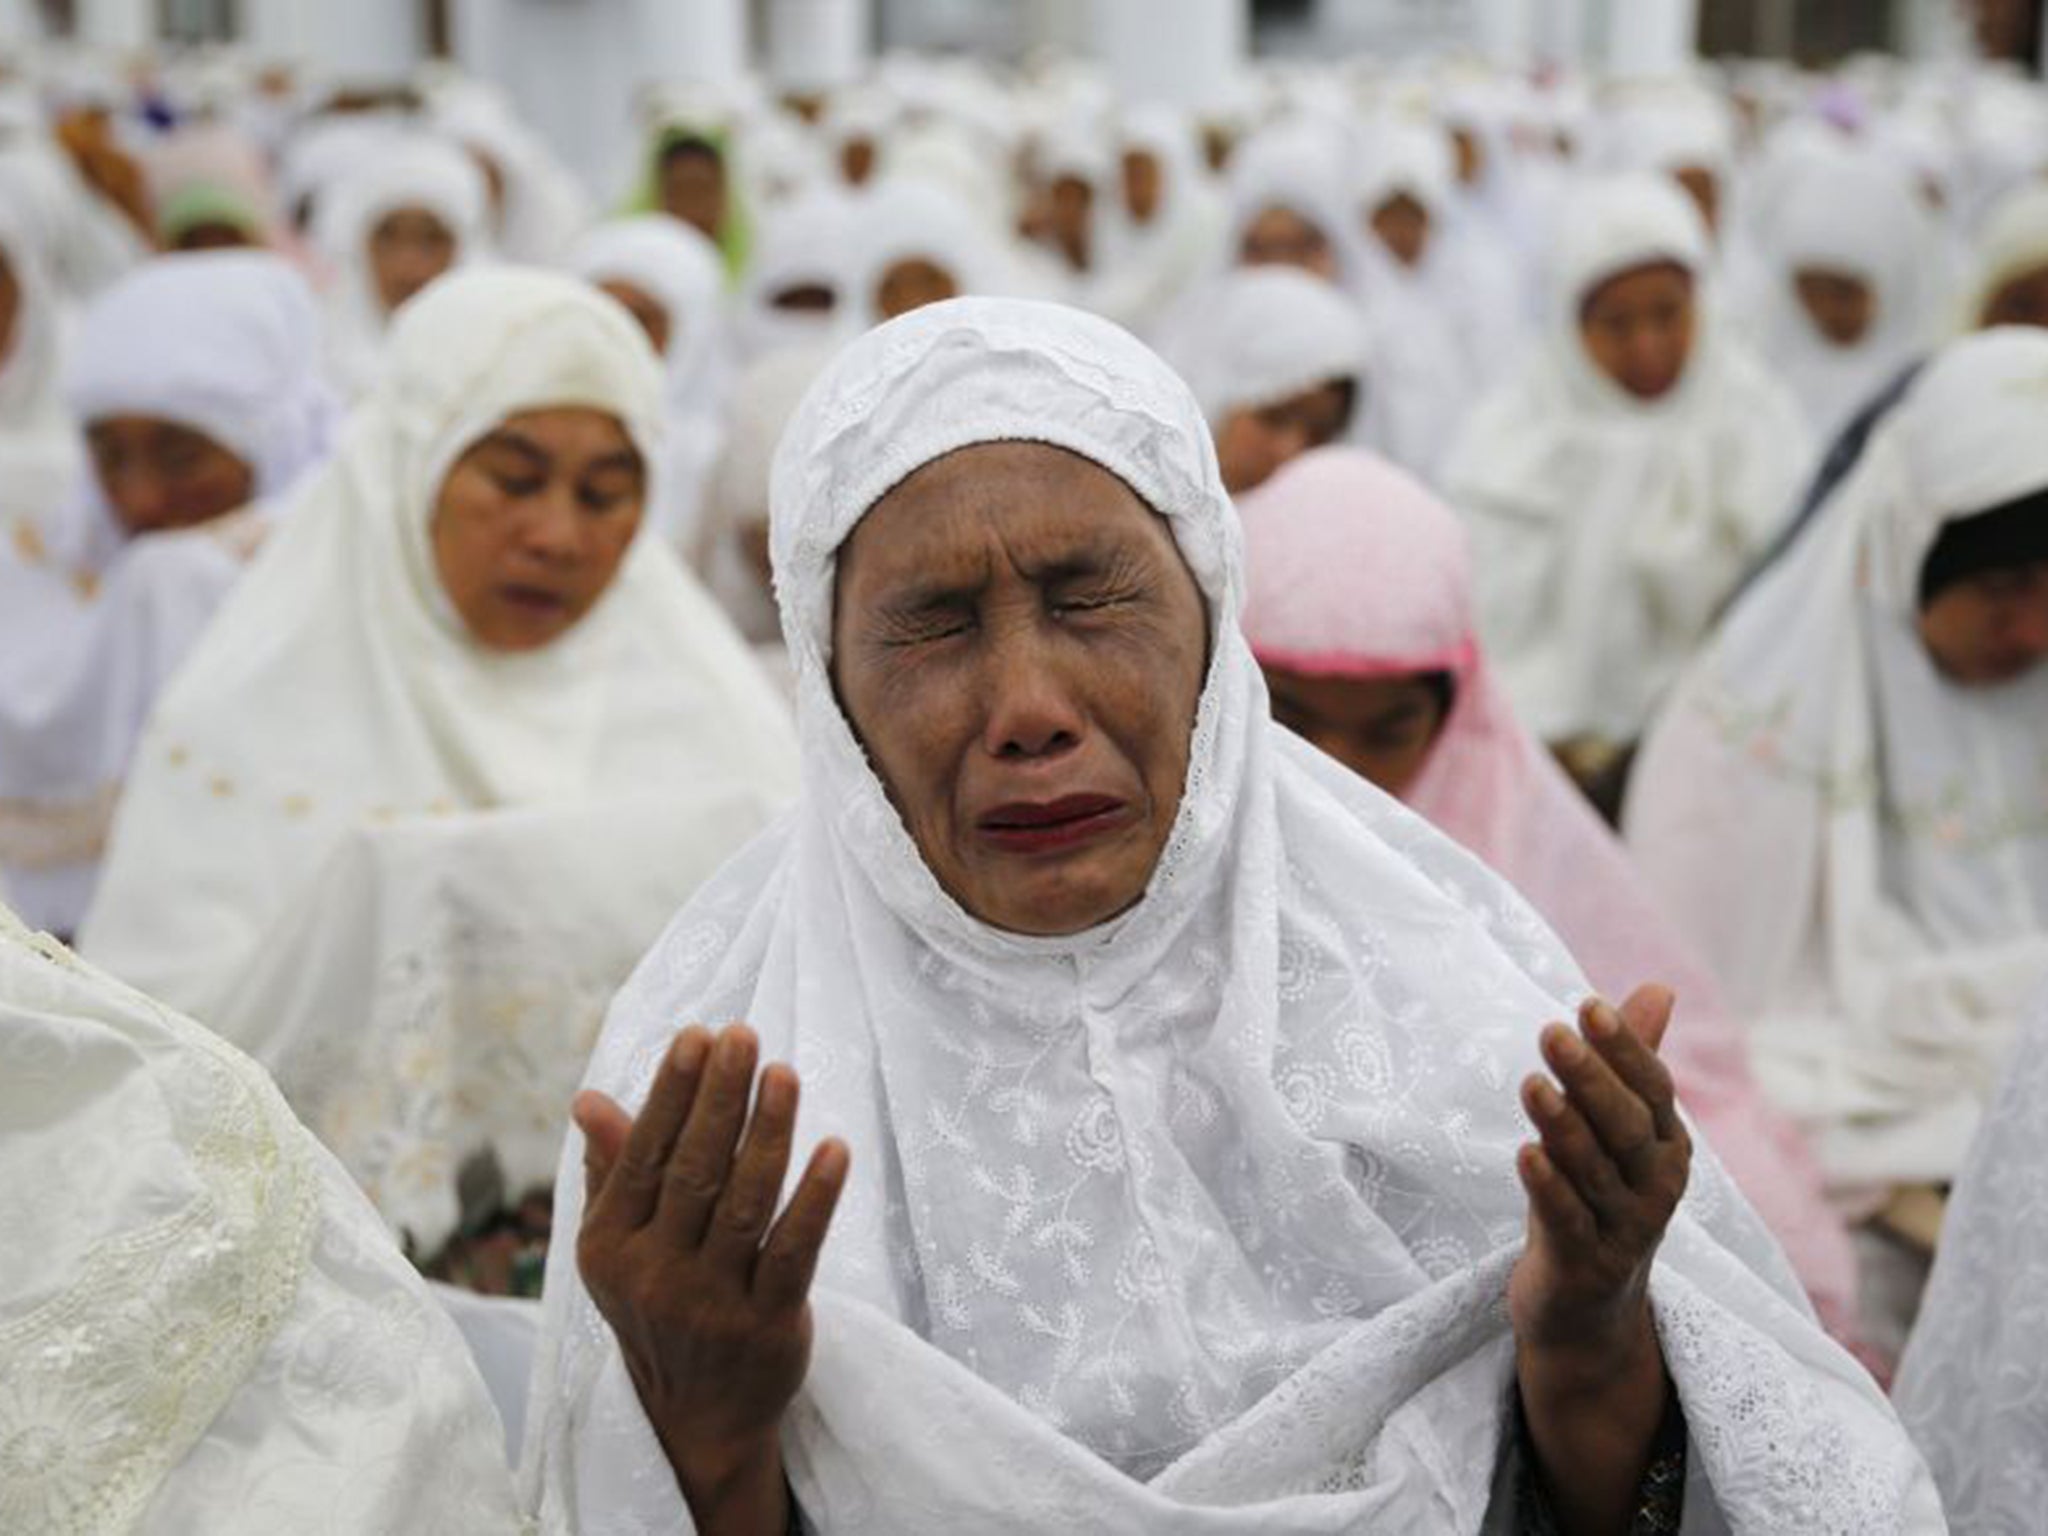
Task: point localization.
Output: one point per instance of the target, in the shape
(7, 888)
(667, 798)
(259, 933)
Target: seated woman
(916, 243)
(415, 209)
(196, 379)
(441, 768)
(689, 178)
(1278, 361)
(1291, 206)
(2009, 284)
(202, 1326)
(1619, 485)
(669, 278)
(1177, 1078)
(1448, 305)
(1841, 805)
(1851, 276)
(1358, 608)
(1170, 219)
(1973, 1388)
(797, 289)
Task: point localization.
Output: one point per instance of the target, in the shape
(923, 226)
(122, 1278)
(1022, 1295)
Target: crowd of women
(1147, 655)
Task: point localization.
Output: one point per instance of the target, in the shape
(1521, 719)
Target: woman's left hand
(1603, 1182)
(1605, 1178)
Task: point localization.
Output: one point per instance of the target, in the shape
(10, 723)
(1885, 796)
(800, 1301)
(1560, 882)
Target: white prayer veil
(1262, 335)
(2012, 243)
(202, 1326)
(680, 269)
(1856, 212)
(1973, 1385)
(1857, 843)
(413, 170)
(93, 621)
(339, 687)
(1199, 1220)
(1606, 528)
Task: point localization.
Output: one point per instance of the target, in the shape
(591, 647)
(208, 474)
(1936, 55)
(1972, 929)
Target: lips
(1043, 826)
(533, 599)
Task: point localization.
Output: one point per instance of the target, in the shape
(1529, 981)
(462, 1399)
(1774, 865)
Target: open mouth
(1044, 826)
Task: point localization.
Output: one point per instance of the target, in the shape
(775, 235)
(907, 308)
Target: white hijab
(1856, 211)
(1195, 1221)
(1973, 1386)
(1262, 335)
(1857, 843)
(1606, 528)
(340, 686)
(413, 170)
(39, 445)
(681, 270)
(904, 218)
(1151, 265)
(802, 243)
(1442, 326)
(201, 1325)
(93, 622)
(2013, 243)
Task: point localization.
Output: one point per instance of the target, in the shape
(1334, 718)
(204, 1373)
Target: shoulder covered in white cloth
(202, 1326)
(1198, 1220)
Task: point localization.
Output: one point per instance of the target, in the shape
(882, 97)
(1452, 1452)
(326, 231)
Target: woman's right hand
(705, 1287)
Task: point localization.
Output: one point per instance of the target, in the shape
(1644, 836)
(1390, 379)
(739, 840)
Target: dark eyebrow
(928, 596)
(526, 448)
(625, 458)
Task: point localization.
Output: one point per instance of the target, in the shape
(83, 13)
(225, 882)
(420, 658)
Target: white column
(362, 40)
(691, 39)
(1184, 53)
(1504, 32)
(1563, 33)
(816, 45)
(1652, 37)
(118, 24)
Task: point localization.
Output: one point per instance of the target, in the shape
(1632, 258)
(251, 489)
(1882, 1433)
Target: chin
(1057, 905)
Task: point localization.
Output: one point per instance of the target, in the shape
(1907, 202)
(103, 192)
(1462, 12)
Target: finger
(1627, 1045)
(745, 1207)
(1647, 1013)
(633, 1186)
(782, 1275)
(1576, 1154)
(1553, 1201)
(605, 1127)
(703, 1153)
(1620, 1119)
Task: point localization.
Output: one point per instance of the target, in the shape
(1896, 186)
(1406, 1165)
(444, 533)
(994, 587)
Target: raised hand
(1603, 1181)
(705, 1286)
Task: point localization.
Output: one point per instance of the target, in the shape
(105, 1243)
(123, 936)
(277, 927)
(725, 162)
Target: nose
(141, 498)
(552, 529)
(1032, 713)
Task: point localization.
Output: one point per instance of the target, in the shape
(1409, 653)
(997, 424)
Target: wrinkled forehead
(969, 372)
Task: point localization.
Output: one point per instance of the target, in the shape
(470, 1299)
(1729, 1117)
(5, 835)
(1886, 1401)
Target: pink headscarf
(1354, 569)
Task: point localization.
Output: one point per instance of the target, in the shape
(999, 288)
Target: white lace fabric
(1197, 1221)
(201, 1325)
(1973, 1386)
(1859, 845)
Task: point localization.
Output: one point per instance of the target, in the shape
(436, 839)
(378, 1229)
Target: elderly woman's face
(533, 521)
(1020, 649)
